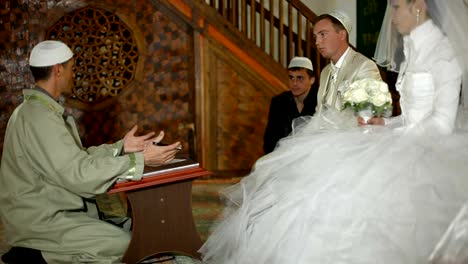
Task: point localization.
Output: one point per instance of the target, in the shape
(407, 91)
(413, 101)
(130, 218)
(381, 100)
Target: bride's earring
(417, 16)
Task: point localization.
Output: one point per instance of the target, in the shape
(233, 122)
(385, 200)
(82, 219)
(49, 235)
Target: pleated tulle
(331, 193)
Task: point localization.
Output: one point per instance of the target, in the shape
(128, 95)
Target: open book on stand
(179, 169)
(175, 165)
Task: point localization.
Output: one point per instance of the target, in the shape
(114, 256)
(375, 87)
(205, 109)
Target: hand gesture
(133, 143)
(157, 155)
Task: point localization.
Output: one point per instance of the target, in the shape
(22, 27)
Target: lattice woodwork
(106, 52)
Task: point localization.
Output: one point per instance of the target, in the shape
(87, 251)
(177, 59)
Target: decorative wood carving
(106, 53)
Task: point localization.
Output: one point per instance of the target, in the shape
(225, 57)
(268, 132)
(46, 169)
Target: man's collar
(40, 89)
(340, 61)
(41, 95)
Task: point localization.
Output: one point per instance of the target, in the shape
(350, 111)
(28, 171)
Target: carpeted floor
(206, 207)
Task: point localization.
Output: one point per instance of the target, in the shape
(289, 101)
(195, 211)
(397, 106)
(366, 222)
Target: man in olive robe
(46, 175)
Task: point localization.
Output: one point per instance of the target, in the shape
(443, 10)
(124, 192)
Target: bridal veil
(452, 18)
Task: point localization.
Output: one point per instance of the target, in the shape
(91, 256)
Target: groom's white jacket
(355, 67)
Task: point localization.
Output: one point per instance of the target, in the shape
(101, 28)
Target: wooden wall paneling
(188, 128)
(238, 110)
(208, 107)
(199, 80)
(309, 37)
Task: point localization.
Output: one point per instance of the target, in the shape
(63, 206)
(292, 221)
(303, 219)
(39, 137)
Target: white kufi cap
(301, 62)
(49, 53)
(344, 19)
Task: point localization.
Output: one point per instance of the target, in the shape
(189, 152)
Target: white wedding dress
(335, 193)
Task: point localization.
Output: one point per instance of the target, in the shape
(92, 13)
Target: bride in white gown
(333, 192)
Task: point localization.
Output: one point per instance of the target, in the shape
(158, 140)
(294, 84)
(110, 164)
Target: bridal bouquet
(368, 98)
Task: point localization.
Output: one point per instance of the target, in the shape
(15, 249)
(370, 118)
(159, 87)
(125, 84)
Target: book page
(179, 164)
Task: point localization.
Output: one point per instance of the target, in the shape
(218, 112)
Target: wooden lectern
(161, 204)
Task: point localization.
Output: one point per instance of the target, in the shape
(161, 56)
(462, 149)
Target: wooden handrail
(305, 11)
(286, 26)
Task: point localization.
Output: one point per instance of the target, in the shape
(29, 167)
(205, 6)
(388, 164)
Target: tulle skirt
(332, 192)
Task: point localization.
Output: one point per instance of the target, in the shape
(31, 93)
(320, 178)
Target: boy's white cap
(49, 53)
(344, 19)
(301, 62)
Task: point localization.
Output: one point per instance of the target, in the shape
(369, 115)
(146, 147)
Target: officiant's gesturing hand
(154, 154)
(134, 143)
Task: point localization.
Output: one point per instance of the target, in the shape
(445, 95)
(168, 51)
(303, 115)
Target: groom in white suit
(331, 32)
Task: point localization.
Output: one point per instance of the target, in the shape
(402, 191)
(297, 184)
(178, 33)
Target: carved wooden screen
(106, 52)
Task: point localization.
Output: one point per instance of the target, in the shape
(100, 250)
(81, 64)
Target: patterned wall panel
(14, 46)
(106, 53)
(162, 99)
(164, 96)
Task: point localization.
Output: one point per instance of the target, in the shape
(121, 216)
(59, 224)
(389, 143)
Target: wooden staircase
(282, 29)
(241, 50)
(270, 31)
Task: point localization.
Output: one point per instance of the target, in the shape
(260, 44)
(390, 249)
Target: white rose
(347, 96)
(367, 84)
(359, 95)
(383, 87)
(379, 99)
(357, 85)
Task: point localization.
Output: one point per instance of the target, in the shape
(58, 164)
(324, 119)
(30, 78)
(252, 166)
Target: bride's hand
(373, 121)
